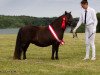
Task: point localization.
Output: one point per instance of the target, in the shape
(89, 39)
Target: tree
(98, 26)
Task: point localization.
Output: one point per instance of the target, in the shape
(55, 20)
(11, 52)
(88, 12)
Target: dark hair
(84, 2)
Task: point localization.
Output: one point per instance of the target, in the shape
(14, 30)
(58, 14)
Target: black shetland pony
(41, 36)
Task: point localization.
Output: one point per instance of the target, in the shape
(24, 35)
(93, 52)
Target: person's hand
(74, 31)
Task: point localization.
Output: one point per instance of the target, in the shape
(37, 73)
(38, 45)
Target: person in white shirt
(88, 17)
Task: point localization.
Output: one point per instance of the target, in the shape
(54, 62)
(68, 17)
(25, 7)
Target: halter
(63, 23)
(54, 33)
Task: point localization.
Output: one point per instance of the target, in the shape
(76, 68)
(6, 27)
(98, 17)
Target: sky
(44, 8)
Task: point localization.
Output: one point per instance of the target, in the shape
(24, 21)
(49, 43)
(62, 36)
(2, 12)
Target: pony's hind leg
(24, 50)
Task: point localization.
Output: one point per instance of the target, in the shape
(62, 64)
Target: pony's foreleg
(24, 50)
(53, 52)
(55, 49)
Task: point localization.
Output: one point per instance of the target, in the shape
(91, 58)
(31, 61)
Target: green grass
(38, 59)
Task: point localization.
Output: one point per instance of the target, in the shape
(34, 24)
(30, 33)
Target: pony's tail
(17, 52)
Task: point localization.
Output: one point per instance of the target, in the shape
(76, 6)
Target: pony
(42, 36)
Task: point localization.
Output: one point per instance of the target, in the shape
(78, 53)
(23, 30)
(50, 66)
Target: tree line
(19, 21)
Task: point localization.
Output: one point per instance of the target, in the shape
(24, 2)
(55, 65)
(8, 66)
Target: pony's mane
(57, 19)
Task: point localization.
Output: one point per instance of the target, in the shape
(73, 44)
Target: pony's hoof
(56, 58)
(52, 58)
(16, 59)
(24, 59)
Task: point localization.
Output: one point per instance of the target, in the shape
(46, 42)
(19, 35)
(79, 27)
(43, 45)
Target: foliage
(19, 21)
(98, 26)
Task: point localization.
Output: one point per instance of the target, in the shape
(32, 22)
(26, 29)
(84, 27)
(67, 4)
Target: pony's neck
(57, 24)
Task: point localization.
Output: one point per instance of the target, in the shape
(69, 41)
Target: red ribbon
(63, 23)
(55, 35)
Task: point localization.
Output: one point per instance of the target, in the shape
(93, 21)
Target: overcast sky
(44, 8)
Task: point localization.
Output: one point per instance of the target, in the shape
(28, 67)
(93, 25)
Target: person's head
(84, 4)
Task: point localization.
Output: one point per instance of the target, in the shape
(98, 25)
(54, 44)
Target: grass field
(38, 59)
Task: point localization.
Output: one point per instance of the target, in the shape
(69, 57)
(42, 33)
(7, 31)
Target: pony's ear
(70, 12)
(65, 12)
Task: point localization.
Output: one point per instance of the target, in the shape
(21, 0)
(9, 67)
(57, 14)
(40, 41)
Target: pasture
(39, 59)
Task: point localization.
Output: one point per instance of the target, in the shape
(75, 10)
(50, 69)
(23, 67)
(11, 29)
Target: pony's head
(69, 18)
(63, 21)
(66, 19)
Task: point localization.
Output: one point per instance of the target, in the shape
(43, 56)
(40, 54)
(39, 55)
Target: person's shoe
(85, 58)
(93, 58)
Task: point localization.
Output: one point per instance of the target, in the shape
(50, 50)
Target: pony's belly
(42, 44)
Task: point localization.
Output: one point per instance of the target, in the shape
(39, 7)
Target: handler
(88, 17)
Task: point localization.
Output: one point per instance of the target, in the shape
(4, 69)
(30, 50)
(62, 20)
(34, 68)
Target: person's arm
(78, 24)
(94, 18)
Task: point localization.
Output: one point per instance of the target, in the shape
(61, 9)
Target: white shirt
(90, 18)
